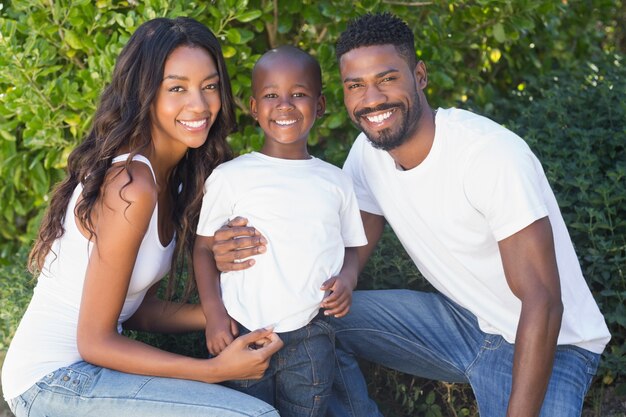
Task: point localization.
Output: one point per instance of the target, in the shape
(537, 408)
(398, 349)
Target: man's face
(381, 94)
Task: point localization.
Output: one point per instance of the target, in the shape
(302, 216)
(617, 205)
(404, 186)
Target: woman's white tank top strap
(140, 158)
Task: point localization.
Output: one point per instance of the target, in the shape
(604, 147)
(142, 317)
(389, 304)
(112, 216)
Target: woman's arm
(120, 228)
(159, 316)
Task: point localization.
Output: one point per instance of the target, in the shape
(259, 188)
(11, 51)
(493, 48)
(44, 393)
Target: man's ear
(421, 75)
(321, 105)
(253, 110)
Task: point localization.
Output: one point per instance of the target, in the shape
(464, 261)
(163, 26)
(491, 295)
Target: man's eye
(353, 86)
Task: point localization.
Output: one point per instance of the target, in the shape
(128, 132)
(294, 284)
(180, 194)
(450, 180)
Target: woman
(123, 217)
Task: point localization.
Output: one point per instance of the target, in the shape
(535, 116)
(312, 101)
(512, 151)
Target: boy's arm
(337, 303)
(220, 328)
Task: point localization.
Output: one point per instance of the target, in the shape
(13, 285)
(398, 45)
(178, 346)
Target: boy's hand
(220, 331)
(338, 302)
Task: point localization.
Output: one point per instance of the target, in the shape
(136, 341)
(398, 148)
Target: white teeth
(285, 122)
(194, 124)
(379, 118)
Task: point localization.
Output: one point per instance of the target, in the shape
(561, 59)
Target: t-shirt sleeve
(504, 183)
(216, 204)
(354, 167)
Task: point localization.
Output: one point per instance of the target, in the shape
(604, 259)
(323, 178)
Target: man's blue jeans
(427, 335)
(299, 380)
(83, 389)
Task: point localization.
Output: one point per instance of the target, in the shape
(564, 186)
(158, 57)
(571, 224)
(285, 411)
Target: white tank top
(46, 337)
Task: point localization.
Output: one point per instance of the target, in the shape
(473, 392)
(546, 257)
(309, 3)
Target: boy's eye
(270, 95)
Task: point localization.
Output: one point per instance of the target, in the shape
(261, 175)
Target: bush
(57, 56)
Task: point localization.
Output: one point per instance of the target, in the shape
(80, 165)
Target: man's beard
(390, 138)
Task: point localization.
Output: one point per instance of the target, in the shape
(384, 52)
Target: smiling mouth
(285, 122)
(194, 124)
(379, 118)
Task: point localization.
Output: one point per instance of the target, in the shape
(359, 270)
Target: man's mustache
(381, 107)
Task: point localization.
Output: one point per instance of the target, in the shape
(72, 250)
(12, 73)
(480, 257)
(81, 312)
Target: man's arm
(373, 225)
(531, 271)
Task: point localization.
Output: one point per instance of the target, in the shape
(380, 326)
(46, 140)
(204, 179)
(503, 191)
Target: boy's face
(286, 100)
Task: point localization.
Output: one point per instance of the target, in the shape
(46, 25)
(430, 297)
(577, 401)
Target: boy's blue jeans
(299, 379)
(427, 335)
(83, 389)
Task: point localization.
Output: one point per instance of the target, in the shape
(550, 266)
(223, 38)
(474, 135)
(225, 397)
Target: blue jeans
(83, 389)
(299, 380)
(427, 335)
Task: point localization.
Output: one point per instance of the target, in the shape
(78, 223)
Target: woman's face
(187, 102)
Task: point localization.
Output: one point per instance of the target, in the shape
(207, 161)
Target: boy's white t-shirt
(479, 184)
(307, 211)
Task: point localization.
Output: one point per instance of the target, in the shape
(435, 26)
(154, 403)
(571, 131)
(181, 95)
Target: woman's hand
(235, 241)
(248, 356)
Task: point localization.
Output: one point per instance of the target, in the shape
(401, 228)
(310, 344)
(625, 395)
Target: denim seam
(452, 365)
(480, 353)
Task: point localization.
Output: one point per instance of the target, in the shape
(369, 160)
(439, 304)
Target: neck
(415, 150)
(291, 151)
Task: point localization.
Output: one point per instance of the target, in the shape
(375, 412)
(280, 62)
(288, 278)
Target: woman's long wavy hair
(123, 121)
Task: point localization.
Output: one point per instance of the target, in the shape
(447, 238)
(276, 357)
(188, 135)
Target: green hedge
(57, 56)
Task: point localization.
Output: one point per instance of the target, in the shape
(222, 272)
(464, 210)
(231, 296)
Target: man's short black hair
(378, 29)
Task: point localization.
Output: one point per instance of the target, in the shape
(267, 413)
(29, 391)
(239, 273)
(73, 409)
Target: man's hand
(235, 241)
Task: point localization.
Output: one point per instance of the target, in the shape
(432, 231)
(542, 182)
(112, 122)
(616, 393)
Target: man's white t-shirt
(307, 211)
(479, 184)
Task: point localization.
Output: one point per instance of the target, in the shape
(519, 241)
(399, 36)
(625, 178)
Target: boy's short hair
(378, 29)
(293, 51)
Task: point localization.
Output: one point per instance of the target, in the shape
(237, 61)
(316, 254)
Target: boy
(281, 190)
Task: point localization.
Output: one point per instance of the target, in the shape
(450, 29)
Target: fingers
(263, 340)
(216, 345)
(237, 221)
(338, 303)
(270, 345)
(234, 328)
(328, 284)
(227, 253)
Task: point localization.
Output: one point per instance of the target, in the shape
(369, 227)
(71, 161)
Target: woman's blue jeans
(427, 335)
(83, 389)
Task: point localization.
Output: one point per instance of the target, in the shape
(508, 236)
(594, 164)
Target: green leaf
(249, 16)
(498, 32)
(73, 40)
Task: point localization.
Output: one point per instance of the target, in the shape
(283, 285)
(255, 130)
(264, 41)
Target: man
(469, 201)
